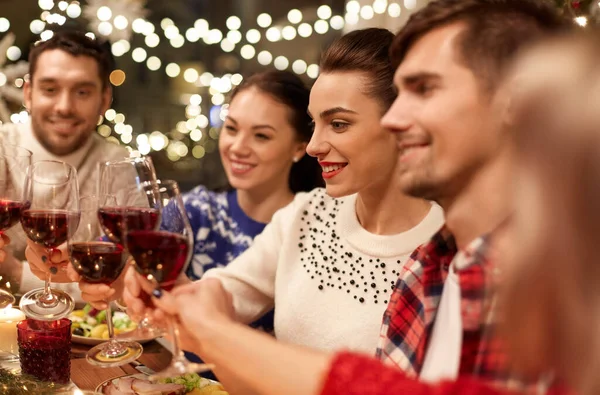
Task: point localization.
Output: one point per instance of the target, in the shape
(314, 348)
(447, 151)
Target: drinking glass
(14, 161)
(45, 349)
(50, 218)
(129, 199)
(161, 256)
(100, 262)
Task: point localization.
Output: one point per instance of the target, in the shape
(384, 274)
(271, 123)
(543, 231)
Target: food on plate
(131, 385)
(89, 322)
(139, 386)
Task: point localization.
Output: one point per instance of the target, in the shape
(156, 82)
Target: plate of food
(88, 325)
(189, 384)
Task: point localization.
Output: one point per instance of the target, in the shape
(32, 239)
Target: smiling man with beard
(67, 92)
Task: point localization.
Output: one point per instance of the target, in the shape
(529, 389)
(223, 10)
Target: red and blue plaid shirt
(410, 315)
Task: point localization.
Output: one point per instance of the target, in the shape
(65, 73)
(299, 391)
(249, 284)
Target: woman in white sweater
(329, 260)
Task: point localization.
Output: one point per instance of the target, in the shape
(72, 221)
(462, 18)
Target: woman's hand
(98, 295)
(56, 261)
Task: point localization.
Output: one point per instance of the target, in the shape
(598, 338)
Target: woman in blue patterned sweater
(263, 150)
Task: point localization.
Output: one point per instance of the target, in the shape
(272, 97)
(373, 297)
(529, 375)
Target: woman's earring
(296, 159)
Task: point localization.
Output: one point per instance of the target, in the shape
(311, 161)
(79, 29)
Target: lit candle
(9, 318)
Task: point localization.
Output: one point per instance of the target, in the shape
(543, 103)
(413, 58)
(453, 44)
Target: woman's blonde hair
(552, 292)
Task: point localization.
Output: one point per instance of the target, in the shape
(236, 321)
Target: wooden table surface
(88, 377)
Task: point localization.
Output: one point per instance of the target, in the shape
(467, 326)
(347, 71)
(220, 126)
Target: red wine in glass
(10, 213)
(14, 162)
(50, 219)
(49, 228)
(158, 255)
(97, 262)
(113, 219)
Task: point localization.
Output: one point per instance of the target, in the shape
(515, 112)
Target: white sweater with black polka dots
(328, 278)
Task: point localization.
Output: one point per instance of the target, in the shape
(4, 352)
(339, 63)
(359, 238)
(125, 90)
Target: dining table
(87, 377)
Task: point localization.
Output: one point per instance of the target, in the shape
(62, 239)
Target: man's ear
(106, 99)
(27, 94)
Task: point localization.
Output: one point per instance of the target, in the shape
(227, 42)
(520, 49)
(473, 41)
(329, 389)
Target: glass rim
(22, 151)
(127, 160)
(64, 323)
(69, 177)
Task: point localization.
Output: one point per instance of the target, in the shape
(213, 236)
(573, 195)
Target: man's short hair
(495, 30)
(74, 43)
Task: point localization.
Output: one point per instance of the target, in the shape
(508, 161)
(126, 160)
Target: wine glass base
(97, 356)
(6, 299)
(32, 307)
(179, 367)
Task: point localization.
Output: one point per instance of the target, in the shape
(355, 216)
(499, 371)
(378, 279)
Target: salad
(196, 385)
(90, 322)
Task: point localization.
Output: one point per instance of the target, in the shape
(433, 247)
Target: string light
(172, 70)
(324, 12)
(233, 23)
(196, 122)
(294, 16)
(4, 24)
(264, 20)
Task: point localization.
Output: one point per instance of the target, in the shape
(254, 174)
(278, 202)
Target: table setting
(47, 345)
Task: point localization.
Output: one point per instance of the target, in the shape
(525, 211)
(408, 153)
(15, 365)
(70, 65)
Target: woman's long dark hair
(288, 88)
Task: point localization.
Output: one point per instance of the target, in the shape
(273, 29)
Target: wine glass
(14, 161)
(129, 198)
(49, 219)
(161, 256)
(100, 262)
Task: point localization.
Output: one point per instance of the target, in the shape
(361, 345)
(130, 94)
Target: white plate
(92, 341)
(100, 387)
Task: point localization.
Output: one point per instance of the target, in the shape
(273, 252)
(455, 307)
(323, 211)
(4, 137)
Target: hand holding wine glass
(49, 219)
(129, 200)
(100, 262)
(41, 262)
(161, 256)
(14, 162)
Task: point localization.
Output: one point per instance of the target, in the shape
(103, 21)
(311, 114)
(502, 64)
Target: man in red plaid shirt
(451, 56)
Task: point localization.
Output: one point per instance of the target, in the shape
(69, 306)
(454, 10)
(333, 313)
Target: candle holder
(9, 347)
(45, 348)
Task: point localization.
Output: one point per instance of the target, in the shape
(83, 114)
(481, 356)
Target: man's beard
(59, 149)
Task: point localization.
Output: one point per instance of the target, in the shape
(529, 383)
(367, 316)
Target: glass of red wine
(14, 162)
(50, 218)
(100, 262)
(161, 256)
(129, 199)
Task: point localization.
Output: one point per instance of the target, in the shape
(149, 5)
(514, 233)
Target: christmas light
(172, 70)
(410, 4)
(264, 58)
(152, 40)
(394, 10)
(294, 16)
(264, 20)
(4, 25)
(253, 36)
(324, 12)
(233, 23)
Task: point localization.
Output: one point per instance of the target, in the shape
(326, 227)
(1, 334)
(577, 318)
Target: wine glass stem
(47, 298)
(114, 348)
(174, 328)
(109, 322)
